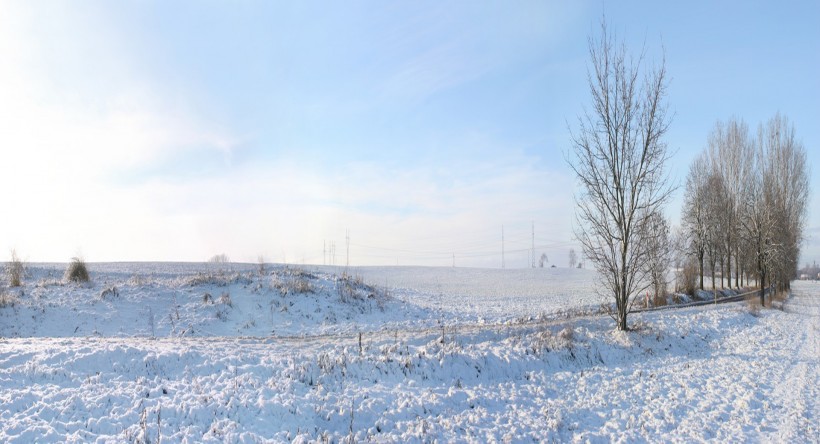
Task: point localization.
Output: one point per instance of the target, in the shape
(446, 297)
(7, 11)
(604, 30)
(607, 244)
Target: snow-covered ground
(158, 359)
(492, 294)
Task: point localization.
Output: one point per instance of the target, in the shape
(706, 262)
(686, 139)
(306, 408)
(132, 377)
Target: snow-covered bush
(547, 341)
(219, 279)
(77, 271)
(293, 281)
(353, 289)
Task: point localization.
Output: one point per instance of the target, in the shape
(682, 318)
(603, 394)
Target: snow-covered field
(491, 294)
(442, 356)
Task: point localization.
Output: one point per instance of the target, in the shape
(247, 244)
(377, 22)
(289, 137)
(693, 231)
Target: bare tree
(759, 222)
(695, 213)
(573, 258)
(715, 223)
(788, 193)
(730, 153)
(619, 158)
(659, 250)
(777, 204)
(220, 258)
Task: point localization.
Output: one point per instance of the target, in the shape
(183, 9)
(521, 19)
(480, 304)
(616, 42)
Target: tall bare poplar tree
(659, 249)
(618, 156)
(695, 212)
(787, 192)
(730, 152)
(776, 200)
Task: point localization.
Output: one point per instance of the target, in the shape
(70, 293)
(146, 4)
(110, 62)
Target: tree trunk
(737, 268)
(714, 288)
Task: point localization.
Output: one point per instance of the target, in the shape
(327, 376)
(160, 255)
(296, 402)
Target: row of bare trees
(746, 203)
(746, 197)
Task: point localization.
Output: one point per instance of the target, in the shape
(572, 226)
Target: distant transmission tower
(503, 265)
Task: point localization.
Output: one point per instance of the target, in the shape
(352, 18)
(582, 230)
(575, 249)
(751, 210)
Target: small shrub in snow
(301, 285)
(353, 290)
(261, 265)
(207, 298)
(547, 341)
(778, 301)
(686, 278)
(567, 334)
(293, 281)
(224, 304)
(8, 300)
(77, 271)
(109, 293)
(218, 279)
(137, 280)
(15, 270)
(753, 306)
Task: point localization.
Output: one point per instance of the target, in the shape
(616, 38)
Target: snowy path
(799, 389)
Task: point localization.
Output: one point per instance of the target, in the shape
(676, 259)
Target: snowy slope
(715, 373)
(187, 300)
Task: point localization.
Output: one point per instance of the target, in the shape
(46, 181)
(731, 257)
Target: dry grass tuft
(77, 271)
(778, 300)
(687, 278)
(753, 305)
(15, 270)
(293, 281)
(109, 293)
(548, 341)
(659, 300)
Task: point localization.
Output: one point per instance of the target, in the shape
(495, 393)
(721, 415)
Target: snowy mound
(178, 300)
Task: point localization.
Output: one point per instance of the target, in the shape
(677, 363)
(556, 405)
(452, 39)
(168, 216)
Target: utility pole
(324, 252)
(347, 239)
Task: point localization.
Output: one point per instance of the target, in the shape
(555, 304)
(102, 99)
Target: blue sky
(178, 130)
